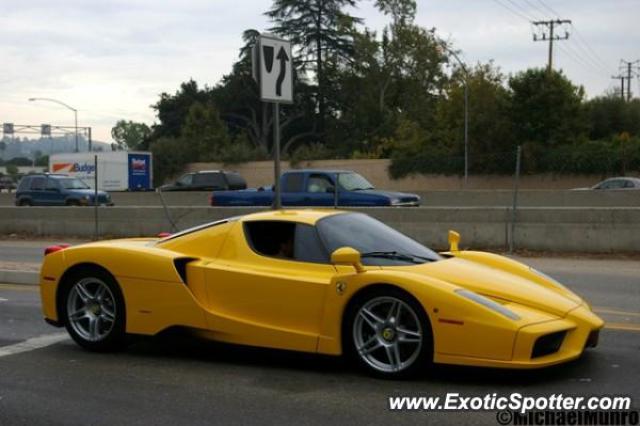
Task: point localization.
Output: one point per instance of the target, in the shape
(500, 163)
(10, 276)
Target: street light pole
(466, 110)
(75, 113)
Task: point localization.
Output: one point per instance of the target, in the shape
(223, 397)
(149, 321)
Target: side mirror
(454, 240)
(347, 256)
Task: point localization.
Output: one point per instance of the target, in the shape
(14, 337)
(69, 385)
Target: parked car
(615, 183)
(7, 182)
(47, 189)
(317, 188)
(208, 180)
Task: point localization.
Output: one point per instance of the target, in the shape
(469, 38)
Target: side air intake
(181, 266)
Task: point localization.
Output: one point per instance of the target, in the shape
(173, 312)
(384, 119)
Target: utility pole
(621, 78)
(630, 73)
(551, 35)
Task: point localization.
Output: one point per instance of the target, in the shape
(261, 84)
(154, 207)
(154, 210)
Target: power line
(553, 12)
(515, 12)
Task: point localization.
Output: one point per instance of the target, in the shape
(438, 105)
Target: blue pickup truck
(317, 188)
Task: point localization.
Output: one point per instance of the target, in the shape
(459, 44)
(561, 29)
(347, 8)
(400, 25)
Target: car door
(53, 194)
(260, 295)
(293, 189)
(37, 190)
(320, 190)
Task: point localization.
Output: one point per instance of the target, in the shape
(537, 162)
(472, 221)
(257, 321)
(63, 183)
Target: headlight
(87, 197)
(488, 303)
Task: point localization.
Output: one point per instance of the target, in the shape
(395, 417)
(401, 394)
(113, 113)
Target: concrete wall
(550, 229)
(471, 198)
(260, 173)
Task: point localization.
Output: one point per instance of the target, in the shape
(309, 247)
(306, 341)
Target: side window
(286, 240)
(628, 184)
(38, 184)
(319, 183)
(52, 184)
(186, 179)
(24, 184)
(307, 246)
(613, 184)
(271, 238)
(236, 181)
(210, 179)
(294, 182)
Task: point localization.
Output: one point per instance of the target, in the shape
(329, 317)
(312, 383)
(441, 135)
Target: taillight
(164, 234)
(53, 249)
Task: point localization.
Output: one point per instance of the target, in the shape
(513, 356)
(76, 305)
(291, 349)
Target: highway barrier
(566, 229)
(462, 198)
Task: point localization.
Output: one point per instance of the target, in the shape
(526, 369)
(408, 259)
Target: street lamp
(466, 109)
(75, 113)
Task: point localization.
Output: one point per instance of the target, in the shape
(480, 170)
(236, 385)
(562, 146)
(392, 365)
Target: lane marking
(616, 312)
(19, 287)
(2, 299)
(622, 326)
(33, 344)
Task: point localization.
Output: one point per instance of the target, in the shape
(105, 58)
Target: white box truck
(117, 170)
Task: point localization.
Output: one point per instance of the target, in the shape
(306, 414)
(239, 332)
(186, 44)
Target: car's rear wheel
(388, 334)
(94, 311)
(24, 203)
(73, 203)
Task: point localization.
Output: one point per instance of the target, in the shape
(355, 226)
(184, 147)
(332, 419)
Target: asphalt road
(179, 380)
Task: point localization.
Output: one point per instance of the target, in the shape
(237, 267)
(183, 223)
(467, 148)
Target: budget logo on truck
(138, 165)
(73, 168)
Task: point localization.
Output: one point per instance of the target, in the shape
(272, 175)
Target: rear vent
(181, 266)
(548, 344)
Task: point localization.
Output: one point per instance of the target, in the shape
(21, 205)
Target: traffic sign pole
(277, 204)
(273, 69)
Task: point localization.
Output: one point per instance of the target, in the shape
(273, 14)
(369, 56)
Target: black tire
(72, 203)
(25, 202)
(421, 355)
(111, 335)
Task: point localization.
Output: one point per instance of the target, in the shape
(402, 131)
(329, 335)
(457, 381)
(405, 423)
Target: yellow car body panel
(228, 292)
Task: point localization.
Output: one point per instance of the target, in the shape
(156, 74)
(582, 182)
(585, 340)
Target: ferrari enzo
(324, 281)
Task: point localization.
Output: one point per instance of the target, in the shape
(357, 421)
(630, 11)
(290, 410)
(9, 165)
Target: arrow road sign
(275, 69)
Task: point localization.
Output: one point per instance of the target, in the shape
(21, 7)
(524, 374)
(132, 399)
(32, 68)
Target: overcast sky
(111, 59)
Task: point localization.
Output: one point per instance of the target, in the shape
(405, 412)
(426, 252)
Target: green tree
(172, 110)
(612, 115)
(323, 34)
(12, 169)
(546, 108)
(130, 135)
(490, 129)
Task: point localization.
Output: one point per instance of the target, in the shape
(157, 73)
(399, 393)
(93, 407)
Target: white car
(616, 183)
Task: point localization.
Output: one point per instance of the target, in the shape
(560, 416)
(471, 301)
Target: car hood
(493, 282)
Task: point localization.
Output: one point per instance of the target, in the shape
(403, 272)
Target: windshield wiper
(391, 255)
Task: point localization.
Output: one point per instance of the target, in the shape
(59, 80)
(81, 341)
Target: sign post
(274, 72)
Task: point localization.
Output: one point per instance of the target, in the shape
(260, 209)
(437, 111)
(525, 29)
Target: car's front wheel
(94, 311)
(389, 334)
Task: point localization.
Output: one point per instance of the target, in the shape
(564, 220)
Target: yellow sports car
(325, 281)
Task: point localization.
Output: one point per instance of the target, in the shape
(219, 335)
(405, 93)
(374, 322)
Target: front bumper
(580, 329)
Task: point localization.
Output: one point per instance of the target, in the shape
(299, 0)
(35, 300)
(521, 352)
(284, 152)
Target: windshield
(72, 183)
(353, 182)
(377, 243)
